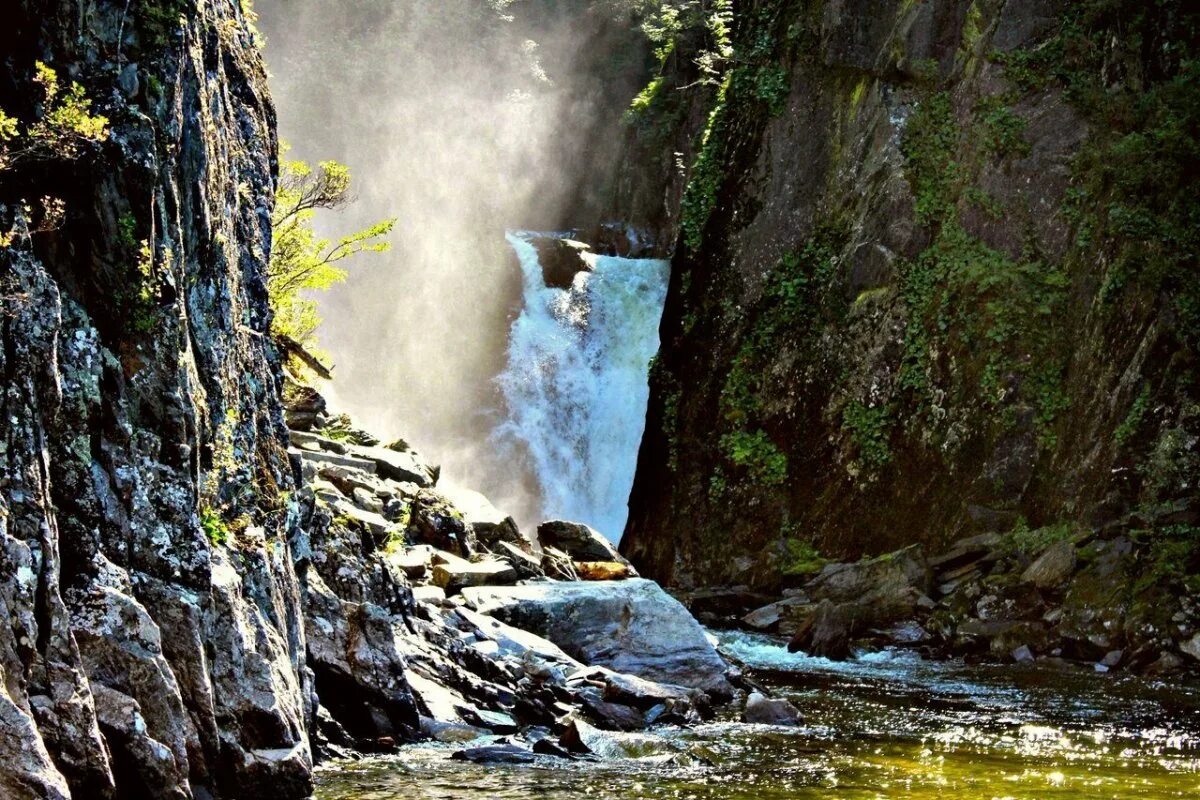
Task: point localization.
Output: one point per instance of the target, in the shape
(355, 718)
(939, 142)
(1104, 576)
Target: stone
(631, 690)
(1113, 658)
(580, 542)
(828, 631)
(434, 595)
(455, 577)
(495, 754)
(1191, 647)
(491, 526)
(630, 626)
(768, 617)
(1022, 654)
(1053, 567)
(402, 466)
(763, 710)
(526, 564)
(324, 457)
(561, 260)
(603, 571)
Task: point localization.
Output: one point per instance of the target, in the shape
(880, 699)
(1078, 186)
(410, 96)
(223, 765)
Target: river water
(885, 725)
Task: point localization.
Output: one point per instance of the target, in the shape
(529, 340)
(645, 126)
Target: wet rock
(495, 754)
(561, 260)
(1022, 655)
(1052, 567)
(630, 626)
(828, 631)
(769, 617)
(763, 710)
(580, 542)
(526, 564)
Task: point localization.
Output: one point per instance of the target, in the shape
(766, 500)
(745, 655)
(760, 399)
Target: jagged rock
(561, 260)
(434, 595)
(526, 564)
(763, 710)
(433, 520)
(455, 577)
(336, 459)
(579, 541)
(490, 525)
(396, 465)
(629, 626)
(603, 571)
(770, 616)
(1022, 654)
(828, 631)
(1052, 567)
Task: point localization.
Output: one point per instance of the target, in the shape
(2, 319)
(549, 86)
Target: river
(881, 726)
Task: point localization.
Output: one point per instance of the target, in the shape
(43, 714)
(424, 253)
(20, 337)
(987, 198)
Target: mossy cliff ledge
(935, 278)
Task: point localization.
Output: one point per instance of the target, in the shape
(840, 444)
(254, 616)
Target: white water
(575, 385)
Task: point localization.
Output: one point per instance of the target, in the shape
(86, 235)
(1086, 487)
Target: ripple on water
(882, 725)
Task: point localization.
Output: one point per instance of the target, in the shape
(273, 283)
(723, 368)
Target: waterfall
(575, 384)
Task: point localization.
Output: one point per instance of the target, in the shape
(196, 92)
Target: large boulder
(631, 626)
(491, 525)
(561, 260)
(580, 542)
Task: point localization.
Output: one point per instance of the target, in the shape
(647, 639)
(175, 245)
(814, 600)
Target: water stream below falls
(575, 385)
(886, 725)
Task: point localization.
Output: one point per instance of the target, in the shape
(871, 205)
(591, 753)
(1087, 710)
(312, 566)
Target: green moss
(929, 147)
(757, 454)
(1003, 131)
(801, 557)
(1026, 541)
(1133, 420)
(869, 430)
(214, 525)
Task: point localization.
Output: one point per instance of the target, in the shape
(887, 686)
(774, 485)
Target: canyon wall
(935, 276)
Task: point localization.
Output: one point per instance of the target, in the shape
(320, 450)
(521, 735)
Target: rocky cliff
(194, 601)
(935, 277)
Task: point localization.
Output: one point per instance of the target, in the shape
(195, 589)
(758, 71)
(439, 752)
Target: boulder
(526, 564)
(1053, 567)
(769, 617)
(457, 576)
(630, 626)
(495, 754)
(491, 525)
(828, 630)
(580, 542)
(763, 710)
(561, 260)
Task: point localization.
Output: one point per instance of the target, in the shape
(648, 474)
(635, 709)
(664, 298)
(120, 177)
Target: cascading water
(575, 385)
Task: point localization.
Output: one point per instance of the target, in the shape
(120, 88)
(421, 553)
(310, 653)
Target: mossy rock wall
(935, 275)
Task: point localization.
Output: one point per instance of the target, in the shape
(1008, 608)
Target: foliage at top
(300, 259)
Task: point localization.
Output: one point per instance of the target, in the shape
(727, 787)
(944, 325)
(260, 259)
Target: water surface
(884, 725)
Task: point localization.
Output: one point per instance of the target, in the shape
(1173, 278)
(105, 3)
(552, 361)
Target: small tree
(301, 261)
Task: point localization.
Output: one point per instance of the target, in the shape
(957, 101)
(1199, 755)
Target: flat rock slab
(630, 626)
(454, 578)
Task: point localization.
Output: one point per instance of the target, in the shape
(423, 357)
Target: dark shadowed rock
(579, 541)
(763, 710)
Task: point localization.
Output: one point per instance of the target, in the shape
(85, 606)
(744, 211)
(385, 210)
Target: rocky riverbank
(428, 614)
(1108, 599)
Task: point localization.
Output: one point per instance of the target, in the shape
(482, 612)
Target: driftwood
(293, 348)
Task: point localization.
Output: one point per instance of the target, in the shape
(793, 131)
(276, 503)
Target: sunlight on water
(881, 726)
(575, 384)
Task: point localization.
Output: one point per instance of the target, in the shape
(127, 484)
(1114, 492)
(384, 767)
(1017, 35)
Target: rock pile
(1110, 599)
(429, 614)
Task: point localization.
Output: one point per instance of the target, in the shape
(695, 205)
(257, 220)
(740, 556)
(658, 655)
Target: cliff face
(141, 421)
(935, 277)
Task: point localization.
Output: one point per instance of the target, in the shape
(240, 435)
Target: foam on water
(575, 385)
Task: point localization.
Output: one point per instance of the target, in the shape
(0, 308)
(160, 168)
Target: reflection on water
(884, 725)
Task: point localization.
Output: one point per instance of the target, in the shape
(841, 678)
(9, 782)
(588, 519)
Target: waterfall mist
(461, 118)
